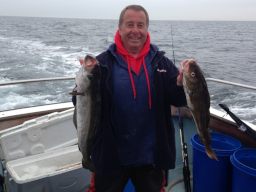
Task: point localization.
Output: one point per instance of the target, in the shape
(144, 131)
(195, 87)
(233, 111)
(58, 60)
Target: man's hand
(182, 65)
(180, 76)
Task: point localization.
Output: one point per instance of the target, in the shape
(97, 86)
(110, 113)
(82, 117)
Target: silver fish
(198, 101)
(87, 110)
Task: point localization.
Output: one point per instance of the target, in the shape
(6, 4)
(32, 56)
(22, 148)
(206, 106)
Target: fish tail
(211, 154)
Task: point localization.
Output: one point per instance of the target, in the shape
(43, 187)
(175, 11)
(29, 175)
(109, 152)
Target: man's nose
(135, 29)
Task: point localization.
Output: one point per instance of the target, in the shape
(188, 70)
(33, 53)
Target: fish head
(192, 73)
(83, 75)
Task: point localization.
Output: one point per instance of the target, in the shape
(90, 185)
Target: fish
(198, 101)
(88, 107)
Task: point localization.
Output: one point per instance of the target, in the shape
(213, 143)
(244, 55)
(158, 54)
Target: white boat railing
(15, 82)
(72, 77)
(231, 83)
(27, 81)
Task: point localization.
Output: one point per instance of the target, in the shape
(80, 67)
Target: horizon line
(55, 17)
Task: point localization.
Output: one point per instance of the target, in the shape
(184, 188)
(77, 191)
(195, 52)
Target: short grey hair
(135, 8)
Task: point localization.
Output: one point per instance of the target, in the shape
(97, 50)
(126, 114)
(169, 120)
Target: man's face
(133, 30)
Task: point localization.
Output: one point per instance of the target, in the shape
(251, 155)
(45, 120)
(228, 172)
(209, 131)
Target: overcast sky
(110, 9)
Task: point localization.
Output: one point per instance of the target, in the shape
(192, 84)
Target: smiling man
(133, 29)
(135, 137)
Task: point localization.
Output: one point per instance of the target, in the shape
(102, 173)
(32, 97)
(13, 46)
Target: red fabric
(163, 183)
(92, 184)
(148, 85)
(135, 63)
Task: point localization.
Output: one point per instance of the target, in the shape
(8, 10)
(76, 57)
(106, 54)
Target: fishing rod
(172, 47)
(166, 172)
(240, 124)
(186, 171)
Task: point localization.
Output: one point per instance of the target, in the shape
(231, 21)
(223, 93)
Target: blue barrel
(244, 170)
(211, 175)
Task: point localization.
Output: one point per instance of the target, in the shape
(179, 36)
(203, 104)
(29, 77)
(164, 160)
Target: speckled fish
(87, 111)
(198, 101)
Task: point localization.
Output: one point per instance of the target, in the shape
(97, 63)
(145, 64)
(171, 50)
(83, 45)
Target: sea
(33, 48)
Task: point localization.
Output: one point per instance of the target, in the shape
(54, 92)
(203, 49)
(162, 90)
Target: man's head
(133, 28)
(135, 8)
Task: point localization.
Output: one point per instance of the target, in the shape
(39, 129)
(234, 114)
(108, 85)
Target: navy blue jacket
(166, 92)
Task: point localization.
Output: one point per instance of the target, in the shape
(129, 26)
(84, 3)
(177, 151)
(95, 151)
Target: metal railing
(71, 78)
(231, 83)
(15, 82)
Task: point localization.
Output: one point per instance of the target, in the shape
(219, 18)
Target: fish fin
(211, 154)
(196, 121)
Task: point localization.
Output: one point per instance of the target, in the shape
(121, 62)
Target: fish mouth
(91, 59)
(185, 65)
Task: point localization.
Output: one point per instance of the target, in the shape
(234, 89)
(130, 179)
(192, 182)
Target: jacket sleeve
(175, 93)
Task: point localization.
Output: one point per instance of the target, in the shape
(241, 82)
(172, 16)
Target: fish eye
(193, 74)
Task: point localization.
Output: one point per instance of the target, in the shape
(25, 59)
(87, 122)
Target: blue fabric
(134, 123)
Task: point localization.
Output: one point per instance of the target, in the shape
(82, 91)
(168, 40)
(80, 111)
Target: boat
(42, 160)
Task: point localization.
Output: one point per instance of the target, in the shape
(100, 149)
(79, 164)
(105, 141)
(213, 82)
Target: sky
(238, 10)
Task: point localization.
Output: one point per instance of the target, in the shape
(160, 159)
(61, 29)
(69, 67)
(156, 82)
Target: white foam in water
(3, 38)
(243, 107)
(49, 55)
(15, 100)
(12, 100)
(4, 69)
(33, 45)
(4, 79)
(244, 113)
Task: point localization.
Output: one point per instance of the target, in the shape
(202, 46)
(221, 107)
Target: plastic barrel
(211, 175)
(244, 170)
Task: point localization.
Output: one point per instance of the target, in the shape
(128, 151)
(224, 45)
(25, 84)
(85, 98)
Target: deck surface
(175, 177)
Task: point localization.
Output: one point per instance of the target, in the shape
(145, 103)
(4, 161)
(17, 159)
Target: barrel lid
(244, 159)
(222, 145)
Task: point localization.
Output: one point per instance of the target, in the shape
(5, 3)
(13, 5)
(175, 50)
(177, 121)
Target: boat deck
(175, 176)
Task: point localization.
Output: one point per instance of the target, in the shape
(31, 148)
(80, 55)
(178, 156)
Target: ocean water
(49, 47)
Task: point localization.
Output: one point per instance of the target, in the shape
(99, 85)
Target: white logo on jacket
(161, 70)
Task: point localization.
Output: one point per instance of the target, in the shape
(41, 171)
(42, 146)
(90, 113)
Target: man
(135, 139)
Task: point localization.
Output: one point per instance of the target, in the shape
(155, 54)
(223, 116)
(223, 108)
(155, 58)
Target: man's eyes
(139, 25)
(130, 25)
